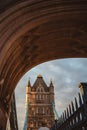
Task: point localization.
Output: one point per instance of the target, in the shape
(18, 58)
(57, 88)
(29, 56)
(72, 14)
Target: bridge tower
(40, 98)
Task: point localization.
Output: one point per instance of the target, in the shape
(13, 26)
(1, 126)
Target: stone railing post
(83, 89)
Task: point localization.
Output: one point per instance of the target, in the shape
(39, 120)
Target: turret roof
(29, 84)
(40, 82)
(51, 83)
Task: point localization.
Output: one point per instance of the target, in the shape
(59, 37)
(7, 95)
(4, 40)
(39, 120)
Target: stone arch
(32, 32)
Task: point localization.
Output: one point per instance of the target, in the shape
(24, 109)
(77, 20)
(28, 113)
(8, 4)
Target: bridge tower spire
(39, 96)
(28, 91)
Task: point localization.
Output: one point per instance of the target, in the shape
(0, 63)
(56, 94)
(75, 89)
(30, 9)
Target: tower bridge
(39, 98)
(33, 32)
(73, 118)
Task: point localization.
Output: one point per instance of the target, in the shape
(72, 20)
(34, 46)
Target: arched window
(43, 110)
(48, 111)
(41, 96)
(46, 96)
(38, 89)
(36, 96)
(38, 110)
(42, 90)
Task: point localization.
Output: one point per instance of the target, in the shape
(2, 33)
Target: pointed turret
(28, 87)
(51, 87)
(51, 83)
(29, 84)
(51, 90)
(28, 90)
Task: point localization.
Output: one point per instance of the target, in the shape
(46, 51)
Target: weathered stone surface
(35, 31)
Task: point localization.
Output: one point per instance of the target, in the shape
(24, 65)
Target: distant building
(40, 98)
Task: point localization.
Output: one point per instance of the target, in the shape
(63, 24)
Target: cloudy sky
(66, 75)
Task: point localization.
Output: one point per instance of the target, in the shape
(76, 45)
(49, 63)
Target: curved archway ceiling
(33, 32)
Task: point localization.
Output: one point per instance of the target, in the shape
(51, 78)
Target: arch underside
(33, 32)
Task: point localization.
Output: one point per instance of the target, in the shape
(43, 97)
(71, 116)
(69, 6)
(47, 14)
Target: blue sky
(66, 75)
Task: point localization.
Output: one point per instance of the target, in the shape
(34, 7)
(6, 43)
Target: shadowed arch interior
(32, 32)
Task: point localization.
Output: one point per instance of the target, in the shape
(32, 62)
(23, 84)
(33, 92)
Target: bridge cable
(53, 105)
(26, 117)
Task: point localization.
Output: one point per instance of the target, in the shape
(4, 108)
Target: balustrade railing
(75, 115)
